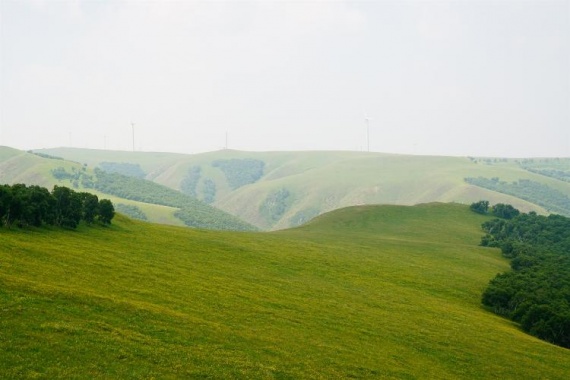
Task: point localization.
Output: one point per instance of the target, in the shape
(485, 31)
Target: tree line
(23, 206)
(500, 210)
(536, 292)
(192, 212)
(538, 193)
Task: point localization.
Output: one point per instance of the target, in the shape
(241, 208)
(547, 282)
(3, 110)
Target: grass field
(363, 292)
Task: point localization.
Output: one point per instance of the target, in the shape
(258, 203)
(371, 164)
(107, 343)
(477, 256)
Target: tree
(481, 207)
(106, 211)
(17, 205)
(68, 207)
(5, 203)
(90, 207)
(40, 207)
(501, 210)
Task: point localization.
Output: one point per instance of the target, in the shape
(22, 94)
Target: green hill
(363, 292)
(137, 197)
(274, 190)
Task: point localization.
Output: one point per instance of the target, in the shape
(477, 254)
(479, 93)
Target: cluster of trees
(536, 292)
(532, 191)
(212, 218)
(240, 172)
(137, 189)
(131, 211)
(75, 177)
(276, 204)
(208, 191)
(189, 185)
(190, 181)
(192, 212)
(500, 210)
(44, 155)
(22, 206)
(124, 168)
(488, 161)
(562, 175)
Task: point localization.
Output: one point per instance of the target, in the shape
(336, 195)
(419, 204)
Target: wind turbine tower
(133, 127)
(367, 121)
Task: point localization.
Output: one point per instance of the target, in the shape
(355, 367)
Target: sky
(458, 78)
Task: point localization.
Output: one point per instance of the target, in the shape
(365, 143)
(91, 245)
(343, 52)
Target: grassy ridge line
(370, 179)
(21, 167)
(321, 181)
(338, 298)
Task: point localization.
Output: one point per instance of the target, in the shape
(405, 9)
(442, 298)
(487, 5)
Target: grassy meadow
(362, 292)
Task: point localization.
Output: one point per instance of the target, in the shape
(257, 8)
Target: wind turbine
(133, 127)
(367, 121)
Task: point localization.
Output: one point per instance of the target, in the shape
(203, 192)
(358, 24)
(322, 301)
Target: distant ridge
(275, 190)
(138, 197)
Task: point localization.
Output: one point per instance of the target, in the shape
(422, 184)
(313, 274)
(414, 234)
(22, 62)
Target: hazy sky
(435, 77)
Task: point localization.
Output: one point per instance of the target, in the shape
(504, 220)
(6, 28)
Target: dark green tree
(68, 207)
(40, 207)
(90, 207)
(481, 207)
(17, 214)
(5, 204)
(501, 210)
(106, 211)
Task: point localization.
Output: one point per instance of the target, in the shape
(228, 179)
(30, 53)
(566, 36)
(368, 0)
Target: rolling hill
(275, 190)
(362, 292)
(134, 196)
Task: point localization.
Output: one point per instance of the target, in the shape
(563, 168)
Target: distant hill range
(275, 190)
(131, 193)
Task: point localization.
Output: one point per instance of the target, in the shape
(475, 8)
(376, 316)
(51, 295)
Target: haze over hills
(275, 190)
(133, 196)
(365, 292)
(351, 234)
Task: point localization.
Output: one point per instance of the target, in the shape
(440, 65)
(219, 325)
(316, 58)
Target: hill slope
(136, 196)
(274, 190)
(391, 292)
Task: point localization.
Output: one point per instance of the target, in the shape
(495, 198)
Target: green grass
(365, 292)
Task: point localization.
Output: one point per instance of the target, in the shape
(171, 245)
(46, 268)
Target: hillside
(365, 292)
(274, 190)
(136, 197)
